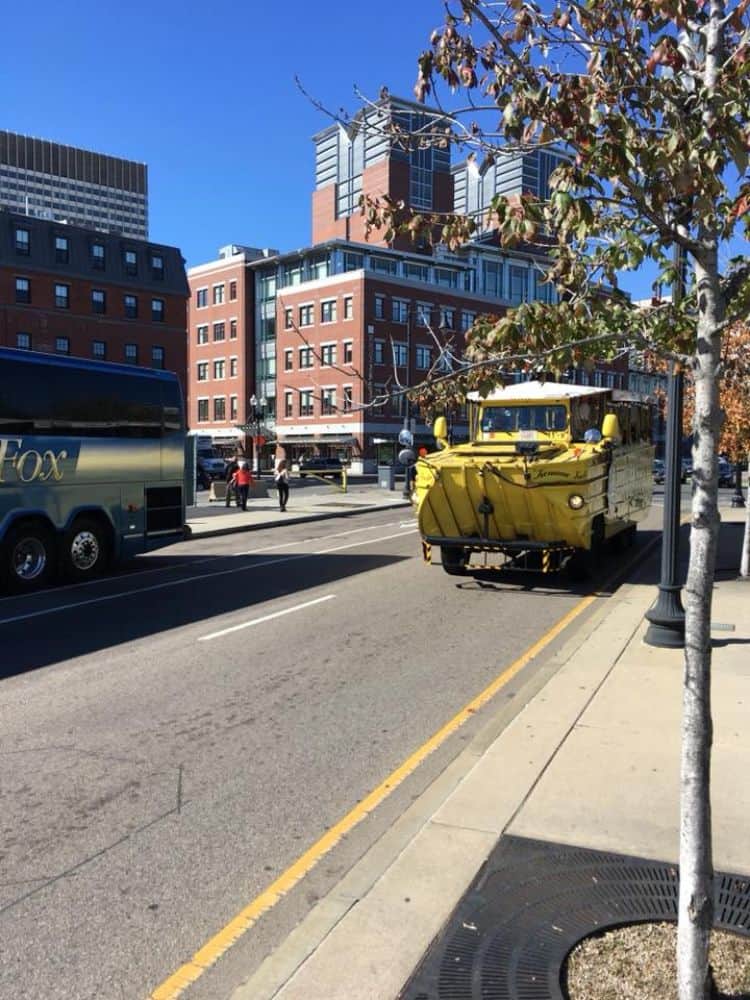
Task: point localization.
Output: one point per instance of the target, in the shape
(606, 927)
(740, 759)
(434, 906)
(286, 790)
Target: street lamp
(257, 412)
(667, 616)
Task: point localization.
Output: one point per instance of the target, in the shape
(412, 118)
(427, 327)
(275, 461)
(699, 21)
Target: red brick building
(327, 335)
(221, 350)
(69, 290)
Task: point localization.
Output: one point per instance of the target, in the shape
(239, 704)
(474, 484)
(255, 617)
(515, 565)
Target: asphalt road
(174, 737)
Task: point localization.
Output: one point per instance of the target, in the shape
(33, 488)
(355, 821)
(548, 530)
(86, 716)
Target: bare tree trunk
(745, 561)
(696, 869)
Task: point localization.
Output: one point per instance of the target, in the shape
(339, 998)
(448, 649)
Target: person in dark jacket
(230, 471)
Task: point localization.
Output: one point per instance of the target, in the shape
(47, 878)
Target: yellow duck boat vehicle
(550, 473)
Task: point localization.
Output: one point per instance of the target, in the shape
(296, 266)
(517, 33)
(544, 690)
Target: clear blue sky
(204, 93)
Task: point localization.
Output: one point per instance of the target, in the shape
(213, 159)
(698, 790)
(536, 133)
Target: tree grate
(533, 901)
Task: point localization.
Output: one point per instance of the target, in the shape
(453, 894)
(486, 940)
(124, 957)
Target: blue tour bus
(92, 466)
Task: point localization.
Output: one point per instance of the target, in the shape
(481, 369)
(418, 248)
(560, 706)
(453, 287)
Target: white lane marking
(369, 541)
(265, 618)
(198, 561)
(191, 579)
(319, 538)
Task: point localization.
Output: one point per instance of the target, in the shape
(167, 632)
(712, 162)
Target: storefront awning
(314, 439)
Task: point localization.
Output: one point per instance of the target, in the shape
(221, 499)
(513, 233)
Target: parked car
(319, 465)
(687, 469)
(657, 471)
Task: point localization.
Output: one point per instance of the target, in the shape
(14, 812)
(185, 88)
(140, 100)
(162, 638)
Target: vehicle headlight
(575, 501)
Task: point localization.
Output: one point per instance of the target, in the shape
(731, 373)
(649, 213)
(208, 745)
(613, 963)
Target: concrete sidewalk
(304, 505)
(591, 759)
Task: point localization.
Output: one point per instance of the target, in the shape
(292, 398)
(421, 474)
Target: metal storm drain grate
(534, 901)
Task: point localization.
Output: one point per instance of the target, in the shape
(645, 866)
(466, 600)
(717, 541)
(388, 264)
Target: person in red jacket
(242, 479)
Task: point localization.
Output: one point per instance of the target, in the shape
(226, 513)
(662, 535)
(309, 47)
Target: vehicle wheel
(454, 560)
(28, 557)
(85, 550)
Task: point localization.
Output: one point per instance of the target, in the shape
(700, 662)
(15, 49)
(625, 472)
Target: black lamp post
(257, 411)
(667, 616)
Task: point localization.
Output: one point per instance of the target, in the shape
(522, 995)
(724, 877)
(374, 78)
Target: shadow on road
(55, 625)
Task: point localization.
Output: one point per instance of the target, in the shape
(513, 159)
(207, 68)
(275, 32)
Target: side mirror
(440, 430)
(611, 428)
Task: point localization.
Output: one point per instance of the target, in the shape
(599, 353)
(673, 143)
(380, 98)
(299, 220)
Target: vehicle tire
(582, 564)
(86, 549)
(454, 559)
(28, 555)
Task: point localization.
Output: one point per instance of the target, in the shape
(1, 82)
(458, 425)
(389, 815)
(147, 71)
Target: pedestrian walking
(242, 480)
(232, 467)
(281, 478)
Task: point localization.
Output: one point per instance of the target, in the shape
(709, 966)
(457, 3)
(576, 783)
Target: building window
(378, 352)
(233, 367)
(348, 352)
(157, 310)
(98, 301)
(201, 298)
(202, 332)
(288, 320)
(399, 355)
(423, 358)
(203, 371)
(218, 295)
(157, 270)
(518, 284)
(328, 354)
(400, 310)
(219, 368)
(305, 315)
(306, 403)
(348, 399)
(305, 357)
(288, 359)
(233, 408)
(348, 307)
(447, 318)
(219, 331)
(98, 350)
(467, 320)
(130, 261)
(131, 354)
(130, 303)
(23, 341)
(232, 329)
(23, 241)
(62, 296)
(220, 408)
(328, 406)
(328, 311)
(424, 314)
(157, 357)
(97, 256)
(23, 290)
(202, 410)
(232, 291)
(61, 249)
(379, 307)
(288, 404)
(62, 345)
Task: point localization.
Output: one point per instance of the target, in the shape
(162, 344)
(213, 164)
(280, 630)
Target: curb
(190, 535)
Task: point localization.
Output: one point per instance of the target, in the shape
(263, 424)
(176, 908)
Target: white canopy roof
(534, 391)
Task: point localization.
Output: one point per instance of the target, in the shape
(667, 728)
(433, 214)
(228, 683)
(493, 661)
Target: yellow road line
(220, 942)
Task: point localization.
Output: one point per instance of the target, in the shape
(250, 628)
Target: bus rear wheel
(85, 549)
(28, 557)
(454, 560)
